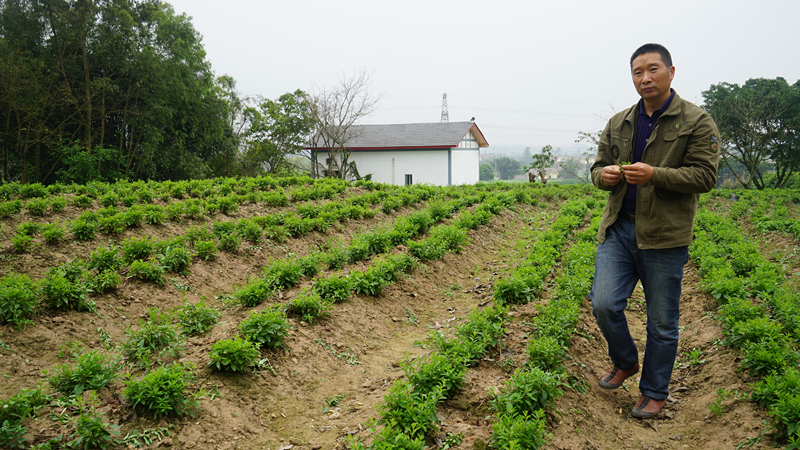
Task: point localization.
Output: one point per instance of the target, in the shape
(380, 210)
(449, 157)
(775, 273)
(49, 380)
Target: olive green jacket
(684, 151)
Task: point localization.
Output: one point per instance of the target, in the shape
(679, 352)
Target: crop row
(165, 391)
(408, 410)
(767, 331)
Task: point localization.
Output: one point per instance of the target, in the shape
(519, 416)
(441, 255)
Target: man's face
(652, 77)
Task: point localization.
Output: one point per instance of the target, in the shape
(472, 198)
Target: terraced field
(294, 313)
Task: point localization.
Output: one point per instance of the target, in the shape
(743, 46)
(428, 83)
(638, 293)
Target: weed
(723, 394)
(412, 319)
(349, 358)
(139, 439)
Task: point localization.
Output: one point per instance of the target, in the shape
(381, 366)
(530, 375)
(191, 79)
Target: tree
(506, 168)
(121, 86)
(526, 156)
(581, 168)
(759, 124)
(486, 172)
(334, 111)
(543, 161)
(278, 129)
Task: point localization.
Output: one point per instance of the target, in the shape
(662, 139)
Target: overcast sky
(531, 72)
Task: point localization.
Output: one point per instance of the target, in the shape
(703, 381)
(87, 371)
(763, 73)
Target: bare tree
(335, 111)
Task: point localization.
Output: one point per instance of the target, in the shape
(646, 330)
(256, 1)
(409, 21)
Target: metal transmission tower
(445, 115)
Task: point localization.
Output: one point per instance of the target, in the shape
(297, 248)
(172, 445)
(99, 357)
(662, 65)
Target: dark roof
(413, 135)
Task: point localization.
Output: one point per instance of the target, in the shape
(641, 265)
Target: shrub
(104, 258)
(546, 353)
(153, 338)
(37, 207)
(135, 248)
(105, 281)
(83, 230)
(267, 328)
(753, 330)
(309, 306)
(255, 292)
(82, 201)
(18, 299)
(197, 233)
(526, 431)
(53, 232)
(283, 274)
(8, 209)
(367, 283)
(147, 271)
(90, 372)
(108, 200)
(113, 224)
(528, 391)
(58, 292)
(154, 215)
(164, 391)
(21, 243)
(133, 217)
(33, 190)
(413, 413)
(335, 288)
(176, 258)
(206, 250)
(766, 357)
(436, 372)
(230, 242)
(250, 231)
(197, 318)
(234, 355)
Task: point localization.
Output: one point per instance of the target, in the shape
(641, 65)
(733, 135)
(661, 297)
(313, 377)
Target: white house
(441, 153)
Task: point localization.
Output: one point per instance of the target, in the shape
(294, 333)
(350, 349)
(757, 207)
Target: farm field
(418, 266)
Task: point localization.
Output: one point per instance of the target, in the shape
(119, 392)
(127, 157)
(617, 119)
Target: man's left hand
(638, 173)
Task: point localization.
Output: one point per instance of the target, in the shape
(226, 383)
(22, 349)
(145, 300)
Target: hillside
(332, 373)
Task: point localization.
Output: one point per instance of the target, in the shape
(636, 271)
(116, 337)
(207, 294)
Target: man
(654, 159)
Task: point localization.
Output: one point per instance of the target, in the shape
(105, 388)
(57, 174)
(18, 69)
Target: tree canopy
(122, 87)
(759, 123)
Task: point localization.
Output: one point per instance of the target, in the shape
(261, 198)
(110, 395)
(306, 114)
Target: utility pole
(445, 115)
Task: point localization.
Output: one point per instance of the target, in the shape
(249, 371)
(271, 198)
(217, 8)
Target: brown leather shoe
(614, 377)
(647, 408)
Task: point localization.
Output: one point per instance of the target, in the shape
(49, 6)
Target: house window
(408, 180)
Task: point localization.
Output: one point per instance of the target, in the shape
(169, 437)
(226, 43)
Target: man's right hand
(612, 175)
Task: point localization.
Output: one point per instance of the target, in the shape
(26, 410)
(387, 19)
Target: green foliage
(176, 258)
(408, 411)
(230, 242)
(436, 372)
(267, 328)
(147, 271)
(234, 355)
(135, 248)
(284, 274)
(164, 391)
(12, 435)
(37, 207)
(546, 353)
(766, 357)
(104, 258)
(91, 371)
(528, 391)
(309, 306)
(206, 250)
(367, 283)
(59, 292)
(90, 429)
(21, 243)
(753, 330)
(105, 281)
(335, 288)
(153, 338)
(525, 431)
(255, 292)
(197, 318)
(24, 403)
(53, 233)
(18, 299)
(82, 201)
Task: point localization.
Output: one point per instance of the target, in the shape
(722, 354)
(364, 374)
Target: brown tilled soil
(356, 353)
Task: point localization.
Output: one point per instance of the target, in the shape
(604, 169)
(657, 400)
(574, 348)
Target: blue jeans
(619, 266)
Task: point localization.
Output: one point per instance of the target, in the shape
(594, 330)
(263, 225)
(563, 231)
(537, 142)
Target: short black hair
(653, 48)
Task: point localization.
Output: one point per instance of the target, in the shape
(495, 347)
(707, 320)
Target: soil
(355, 354)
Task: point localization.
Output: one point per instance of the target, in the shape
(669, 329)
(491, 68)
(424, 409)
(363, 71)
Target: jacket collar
(673, 110)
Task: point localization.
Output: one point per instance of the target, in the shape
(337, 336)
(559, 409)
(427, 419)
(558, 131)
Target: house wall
(425, 166)
(465, 165)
